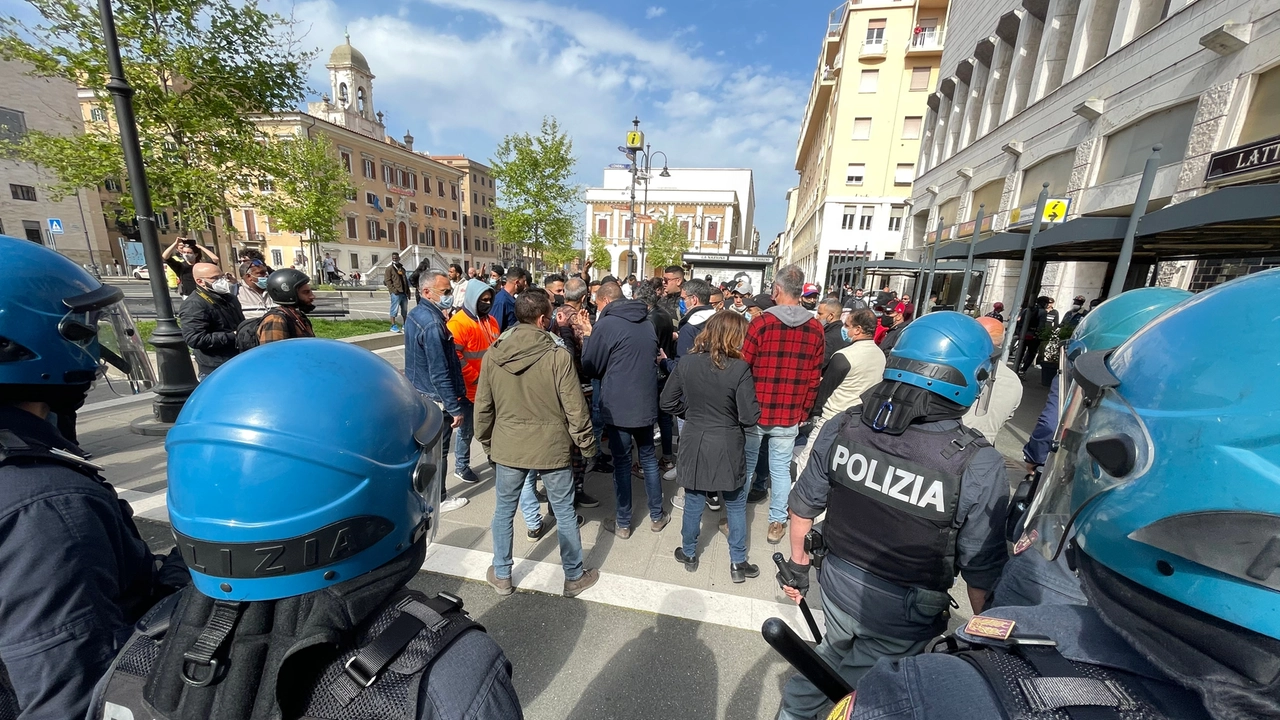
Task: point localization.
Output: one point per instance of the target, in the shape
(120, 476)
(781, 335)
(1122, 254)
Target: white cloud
(462, 87)
(654, 12)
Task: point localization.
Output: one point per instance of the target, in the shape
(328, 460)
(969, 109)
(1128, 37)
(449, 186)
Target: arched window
(360, 100)
(343, 98)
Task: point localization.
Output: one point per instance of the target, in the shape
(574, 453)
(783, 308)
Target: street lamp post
(637, 156)
(177, 378)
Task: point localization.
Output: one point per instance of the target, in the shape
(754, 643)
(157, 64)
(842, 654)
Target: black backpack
(247, 330)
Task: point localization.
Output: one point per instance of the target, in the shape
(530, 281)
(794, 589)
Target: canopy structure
(897, 267)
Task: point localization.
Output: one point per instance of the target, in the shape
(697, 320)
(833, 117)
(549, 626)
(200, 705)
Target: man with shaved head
(988, 416)
(209, 318)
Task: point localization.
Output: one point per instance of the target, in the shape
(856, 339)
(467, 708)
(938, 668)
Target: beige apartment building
(478, 195)
(26, 207)
(860, 137)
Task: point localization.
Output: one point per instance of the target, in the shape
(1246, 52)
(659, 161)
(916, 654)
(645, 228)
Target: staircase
(409, 257)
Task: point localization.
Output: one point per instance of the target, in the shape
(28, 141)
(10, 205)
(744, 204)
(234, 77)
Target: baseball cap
(743, 287)
(762, 301)
(810, 289)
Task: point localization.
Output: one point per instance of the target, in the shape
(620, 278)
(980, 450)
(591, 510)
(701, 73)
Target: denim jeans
(509, 484)
(781, 443)
(462, 445)
(400, 305)
(665, 430)
(620, 443)
(529, 506)
(735, 506)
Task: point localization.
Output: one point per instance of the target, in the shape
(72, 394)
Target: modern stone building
(1076, 93)
(856, 154)
(26, 206)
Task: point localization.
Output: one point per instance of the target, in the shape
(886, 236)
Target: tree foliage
(598, 252)
(667, 243)
(537, 199)
(309, 187)
(199, 68)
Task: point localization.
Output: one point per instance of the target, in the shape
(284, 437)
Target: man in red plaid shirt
(784, 348)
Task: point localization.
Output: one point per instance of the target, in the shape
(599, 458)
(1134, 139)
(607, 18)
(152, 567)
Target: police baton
(783, 639)
(789, 579)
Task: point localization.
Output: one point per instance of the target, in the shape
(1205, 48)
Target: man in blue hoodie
(623, 352)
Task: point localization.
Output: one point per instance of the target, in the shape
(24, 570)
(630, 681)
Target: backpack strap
(433, 622)
(15, 450)
(966, 436)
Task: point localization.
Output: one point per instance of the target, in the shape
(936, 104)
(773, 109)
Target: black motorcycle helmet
(282, 285)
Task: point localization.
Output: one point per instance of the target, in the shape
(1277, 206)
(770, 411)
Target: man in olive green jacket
(529, 410)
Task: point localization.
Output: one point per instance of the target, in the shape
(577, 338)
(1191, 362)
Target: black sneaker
(583, 500)
(739, 572)
(755, 496)
(602, 465)
(713, 501)
(537, 533)
(690, 563)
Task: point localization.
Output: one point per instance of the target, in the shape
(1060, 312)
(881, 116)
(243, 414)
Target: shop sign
(1256, 156)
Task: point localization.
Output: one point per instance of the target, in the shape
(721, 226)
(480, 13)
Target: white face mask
(221, 286)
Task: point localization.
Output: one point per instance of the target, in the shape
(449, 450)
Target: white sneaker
(677, 499)
(669, 475)
(452, 504)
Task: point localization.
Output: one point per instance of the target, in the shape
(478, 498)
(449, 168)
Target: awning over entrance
(1232, 222)
(897, 267)
(1000, 245)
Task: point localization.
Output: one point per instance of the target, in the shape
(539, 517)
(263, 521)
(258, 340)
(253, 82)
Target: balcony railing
(872, 47)
(929, 38)
(835, 22)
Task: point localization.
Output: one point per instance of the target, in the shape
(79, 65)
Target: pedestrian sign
(1054, 211)
(55, 226)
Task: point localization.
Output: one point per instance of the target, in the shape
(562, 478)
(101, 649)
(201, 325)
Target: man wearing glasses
(673, 282)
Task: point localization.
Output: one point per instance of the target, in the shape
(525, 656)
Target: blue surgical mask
(445, 302)
(844, 333)
(261, 282)
(493, 282)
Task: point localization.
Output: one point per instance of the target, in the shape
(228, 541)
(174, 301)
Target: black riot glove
(791, 574)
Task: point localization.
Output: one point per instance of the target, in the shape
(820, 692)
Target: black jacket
(692, 325)
(209, 323)
(622, 352)
(891, 337)
(835, 340)
(665, 327)
(718, 405)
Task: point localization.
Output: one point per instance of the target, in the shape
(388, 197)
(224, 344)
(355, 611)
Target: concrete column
(940, 131)
(975, 105)
(1025, 51)
(1097, 19)
(997, 82)
(928, 128)
(1054, 47)
(955, 121)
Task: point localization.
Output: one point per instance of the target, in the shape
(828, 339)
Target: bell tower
(351, 84)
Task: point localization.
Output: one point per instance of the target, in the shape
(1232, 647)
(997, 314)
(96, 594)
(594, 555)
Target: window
(401, 180)
(346, 160)
(926, 33)
(453, 191)
(869, 81)
(904, 173)
(867, 216)
(351, 228)
(440, 185)
(911, 128)
(354, 260)
(895, 217)
(370, 199)
(162, 222)
(33, 231)
(111, 185)
(368, 168)
(626, 228)
(22, 192)
(431, 236)
(1264, 108)
(862, 128)
(475, 197)
(464, 220)
(850, 217)
(684, 227)
(484, 222)
(277, 257)
(413, 207)
(373, 228)
(466, 243)
(475, 221)
(855, 174)
(267, 185)
(920, 79)
(875, 35)
(454, 215)
(271, 225)
(373, 260)
(250, 224)
(389, 203)
(413, 181)
(457, 240)
(350, 194)
(1055, 170)
(13, 124)
(98, 115)
(988, 195)
(713, 231)
(441, 213)
(1126, 151)
(388, 174)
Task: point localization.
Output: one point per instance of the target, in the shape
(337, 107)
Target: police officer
(74, 570)
(301, 530)
(911, 496)
(1163, 495)
(1028, 578)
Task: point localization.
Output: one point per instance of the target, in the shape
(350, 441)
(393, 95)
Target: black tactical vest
(893, 504)
(377, 679)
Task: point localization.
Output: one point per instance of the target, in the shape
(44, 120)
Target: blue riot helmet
(1169, 470)
(58, 323)
(270, 499)
(1115, 320)
(946, 353)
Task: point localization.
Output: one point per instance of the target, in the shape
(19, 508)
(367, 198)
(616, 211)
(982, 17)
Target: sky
(715, 83)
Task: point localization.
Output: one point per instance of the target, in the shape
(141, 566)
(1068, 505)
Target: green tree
(598, 252)
(667, 243)
(537, 201)
(198, 67)
(309, 188)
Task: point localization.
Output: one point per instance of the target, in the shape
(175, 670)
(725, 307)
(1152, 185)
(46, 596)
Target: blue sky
(715, 83)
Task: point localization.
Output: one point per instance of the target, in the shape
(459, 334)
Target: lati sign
(1262, 156)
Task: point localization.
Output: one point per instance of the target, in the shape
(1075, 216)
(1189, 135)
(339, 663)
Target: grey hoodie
(791, 315)
(475, 289)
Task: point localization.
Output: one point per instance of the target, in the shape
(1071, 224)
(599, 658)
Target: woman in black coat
(712, 390)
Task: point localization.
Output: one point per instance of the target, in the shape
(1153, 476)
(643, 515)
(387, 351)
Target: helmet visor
(1079, 467)
(101, 316)
(428, 474)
